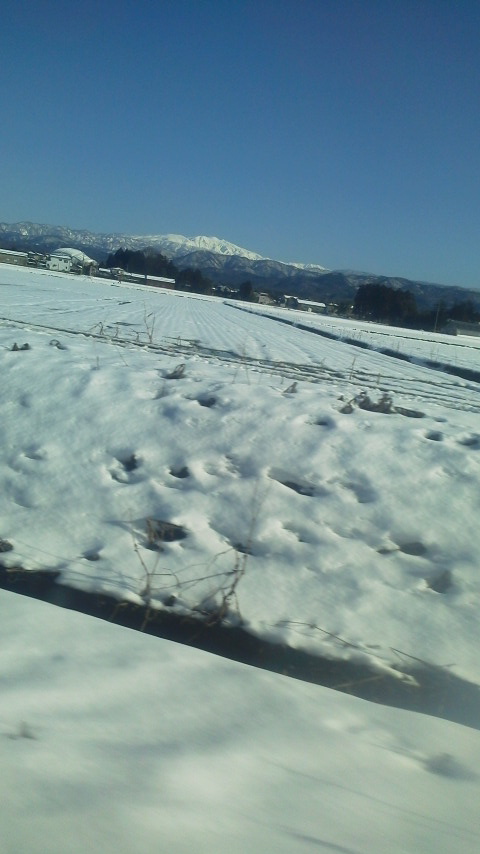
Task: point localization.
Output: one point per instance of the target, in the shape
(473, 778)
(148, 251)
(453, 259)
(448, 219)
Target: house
(141, 278)
(11, 256)
(36, 259)
(159, 281)
(58, 261)
(305, 304)
(310, 305)
(265, 299)
(111, 273)
(71, 260)
(460, 327)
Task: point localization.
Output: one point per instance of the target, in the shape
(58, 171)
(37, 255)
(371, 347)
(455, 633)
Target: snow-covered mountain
(174, 246)
(177, 246)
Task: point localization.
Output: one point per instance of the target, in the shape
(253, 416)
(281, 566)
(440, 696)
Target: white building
(11, 256)
(74, 260)
(58, 261)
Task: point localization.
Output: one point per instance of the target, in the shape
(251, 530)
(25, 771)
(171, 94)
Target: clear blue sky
(338, 132)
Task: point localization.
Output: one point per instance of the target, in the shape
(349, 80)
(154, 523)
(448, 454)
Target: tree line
(383, 303)
(149, 262)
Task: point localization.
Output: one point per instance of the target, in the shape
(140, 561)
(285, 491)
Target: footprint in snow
(325, 421)
(469, 440)
(445, 765)
(414, 548)
(361, 488)
(123, 467)
(207, 401)
(180, 471)
(298, 485)
(35, 453)
(92, 555)
(434, 436)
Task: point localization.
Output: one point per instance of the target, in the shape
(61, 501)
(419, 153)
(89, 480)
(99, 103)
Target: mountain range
(226, 263)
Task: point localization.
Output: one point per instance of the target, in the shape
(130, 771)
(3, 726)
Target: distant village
(74, 261)
(68, 260)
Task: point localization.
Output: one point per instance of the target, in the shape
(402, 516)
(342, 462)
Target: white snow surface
(136, 404)
(116, 742)
(133, 404)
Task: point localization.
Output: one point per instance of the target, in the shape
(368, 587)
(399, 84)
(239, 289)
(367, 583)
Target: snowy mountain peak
(176, 245)
(314, 268)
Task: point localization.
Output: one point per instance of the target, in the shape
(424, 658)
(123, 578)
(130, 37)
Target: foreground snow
(113, 741)
(351, 532)
(255, 438)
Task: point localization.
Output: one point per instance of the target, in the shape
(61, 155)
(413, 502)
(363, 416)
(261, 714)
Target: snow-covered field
(325, 495)
(457, 351)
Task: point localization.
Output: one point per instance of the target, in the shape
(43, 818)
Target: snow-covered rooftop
(75, 254)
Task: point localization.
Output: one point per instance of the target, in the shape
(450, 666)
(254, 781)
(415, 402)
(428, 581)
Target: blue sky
(338, 132)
